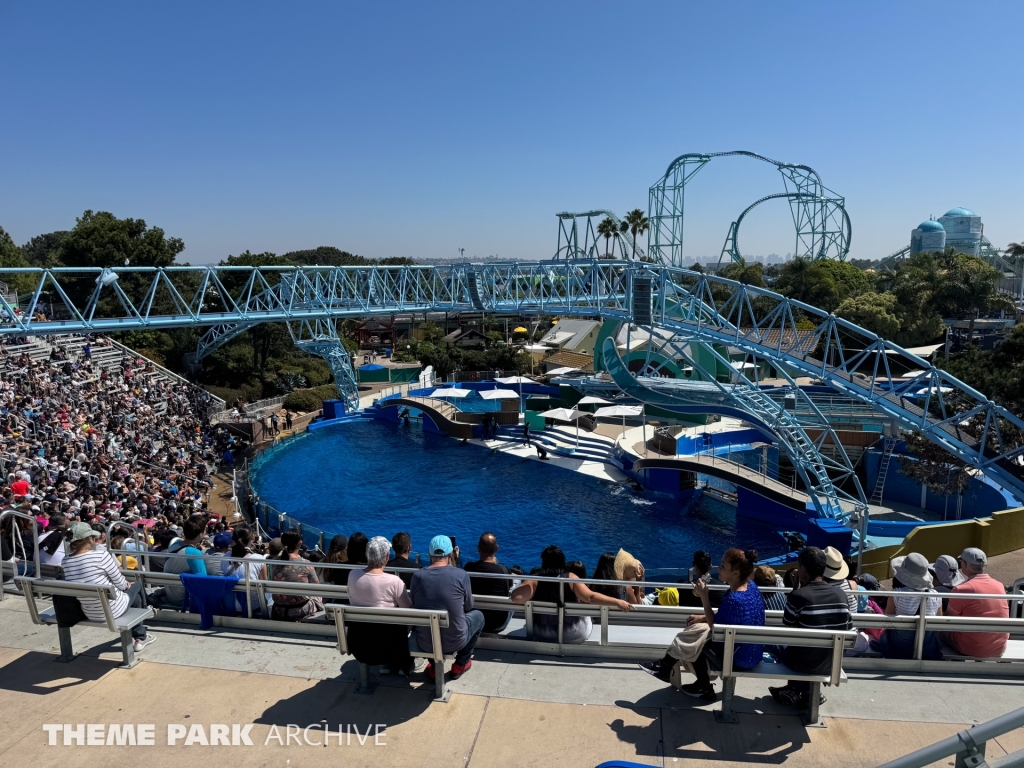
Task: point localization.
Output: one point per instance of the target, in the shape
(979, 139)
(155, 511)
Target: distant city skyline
(413, 131)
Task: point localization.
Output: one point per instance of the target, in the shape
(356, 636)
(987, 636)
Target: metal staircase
(883, 469)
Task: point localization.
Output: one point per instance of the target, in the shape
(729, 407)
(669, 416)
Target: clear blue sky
(413, 129)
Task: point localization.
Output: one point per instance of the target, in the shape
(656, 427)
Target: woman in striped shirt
(89, 564)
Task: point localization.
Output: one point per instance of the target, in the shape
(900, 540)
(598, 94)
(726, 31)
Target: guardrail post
(922, 615)
(972, 754)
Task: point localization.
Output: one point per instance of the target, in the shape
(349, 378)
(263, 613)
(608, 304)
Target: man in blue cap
(441, 586)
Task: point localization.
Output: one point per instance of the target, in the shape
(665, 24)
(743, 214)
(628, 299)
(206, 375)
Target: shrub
(302, 400)
(310, 399)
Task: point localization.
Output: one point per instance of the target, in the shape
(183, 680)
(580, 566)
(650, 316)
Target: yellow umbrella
(520, 329)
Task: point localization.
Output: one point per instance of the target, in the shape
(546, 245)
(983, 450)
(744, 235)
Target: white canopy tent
(566, 414)
(450, 392)
(520, 380)
(561, 371)
(594, 400)
(499, 394)
(619, 410)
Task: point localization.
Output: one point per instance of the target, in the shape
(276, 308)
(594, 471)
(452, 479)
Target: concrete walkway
(509, 710)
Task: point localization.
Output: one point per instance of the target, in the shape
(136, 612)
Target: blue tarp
(371, 367)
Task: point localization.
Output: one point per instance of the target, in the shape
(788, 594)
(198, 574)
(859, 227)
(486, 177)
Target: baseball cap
(974, 556)
(223, 539)
(81, 531)
(440, 546)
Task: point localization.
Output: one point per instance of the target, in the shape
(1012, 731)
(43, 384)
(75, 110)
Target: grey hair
(378, 552)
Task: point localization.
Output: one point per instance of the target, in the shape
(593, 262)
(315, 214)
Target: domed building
(929, 236)
(963, 230)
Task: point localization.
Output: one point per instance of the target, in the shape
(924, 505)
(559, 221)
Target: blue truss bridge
(680, 305)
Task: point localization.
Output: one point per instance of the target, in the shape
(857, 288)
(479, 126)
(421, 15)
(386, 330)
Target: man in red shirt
(973, 564)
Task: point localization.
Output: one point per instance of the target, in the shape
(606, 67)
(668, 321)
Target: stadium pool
(381, 478)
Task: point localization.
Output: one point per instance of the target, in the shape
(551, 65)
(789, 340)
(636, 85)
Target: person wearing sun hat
(628, 568)
(89, 564)
(910, 574)
(837, 571)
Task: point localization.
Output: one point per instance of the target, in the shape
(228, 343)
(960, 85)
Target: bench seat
(126, 622)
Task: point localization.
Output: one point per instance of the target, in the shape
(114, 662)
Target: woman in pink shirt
(379, 644)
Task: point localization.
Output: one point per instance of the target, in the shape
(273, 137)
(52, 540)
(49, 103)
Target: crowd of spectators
(83, 446)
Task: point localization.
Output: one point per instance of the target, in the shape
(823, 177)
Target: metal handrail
(35, 533)
(968, 746)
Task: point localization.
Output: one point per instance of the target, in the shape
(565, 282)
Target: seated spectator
(764, 576)
(837, 571)
(986, 645)
(185, 558)
(816, 604)
(402, 544)
(487, 548)
(245, 546)
(117, 542)
(443, 587)
(910, 574)
(89, 564)
(51, 544)
(337, 553)
(605, 571)
(946, 575)
(701, 569)
(575, 629)
(383, 644)
(577, 569)
(742, 604)
(628, 568)
(221, 546)
(355, 554)
(297, 570)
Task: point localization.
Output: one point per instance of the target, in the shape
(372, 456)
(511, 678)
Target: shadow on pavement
(333, 702)
(42, 674)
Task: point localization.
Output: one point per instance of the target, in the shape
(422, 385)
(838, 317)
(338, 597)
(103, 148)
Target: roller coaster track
(693, 306)
(822, 225)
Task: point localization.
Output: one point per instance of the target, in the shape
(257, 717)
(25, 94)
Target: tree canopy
(103, 240)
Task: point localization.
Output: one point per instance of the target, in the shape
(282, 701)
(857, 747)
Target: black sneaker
(805, 700)
(786, 696)
(703, 691)
(655, 669)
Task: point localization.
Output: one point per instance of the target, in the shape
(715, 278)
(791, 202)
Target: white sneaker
(420, 664)
(141, 644)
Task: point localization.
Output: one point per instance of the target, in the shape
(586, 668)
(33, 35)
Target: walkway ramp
(737, 474)
(442, 413)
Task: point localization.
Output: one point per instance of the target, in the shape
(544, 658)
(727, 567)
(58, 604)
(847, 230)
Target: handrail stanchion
(919, 632)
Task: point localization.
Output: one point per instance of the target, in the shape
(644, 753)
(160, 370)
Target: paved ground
(509, 710)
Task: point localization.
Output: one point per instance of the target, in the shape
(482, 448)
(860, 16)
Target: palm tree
(1015, 250)
(609, 229)
(636, 222)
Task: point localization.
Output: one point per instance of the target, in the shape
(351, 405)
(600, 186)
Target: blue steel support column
(320, 338)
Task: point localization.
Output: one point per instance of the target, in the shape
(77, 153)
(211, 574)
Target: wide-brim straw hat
(626, 566)
(835, 566)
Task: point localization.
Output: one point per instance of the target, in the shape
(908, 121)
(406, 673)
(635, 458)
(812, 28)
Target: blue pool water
(381, 478)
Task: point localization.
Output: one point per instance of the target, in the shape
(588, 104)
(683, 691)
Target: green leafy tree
(103, 240)
(431, 332)
(967, 287)
(824, 283)
(44, 250)
(11, 256)
(637, 223)
(874, 311)
(742, 272)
